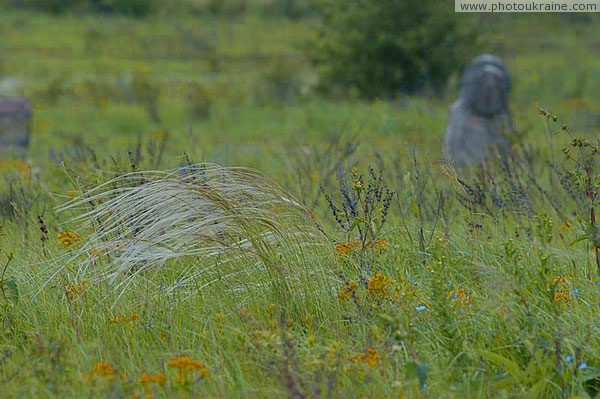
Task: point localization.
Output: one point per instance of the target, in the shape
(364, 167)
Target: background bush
(135, 8)
(392, 46)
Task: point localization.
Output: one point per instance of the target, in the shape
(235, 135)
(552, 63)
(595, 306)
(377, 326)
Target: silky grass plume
(229, 223)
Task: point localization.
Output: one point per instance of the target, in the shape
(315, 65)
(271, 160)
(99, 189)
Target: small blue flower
(569, 358)
(414, 282)
(454, 296)
(421, 308)
(598, 284)
(582, 366)
(574, 291)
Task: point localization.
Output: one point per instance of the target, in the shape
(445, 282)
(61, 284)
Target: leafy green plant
(363, 211)
(583, 177)
(382, 49)
(136, 8)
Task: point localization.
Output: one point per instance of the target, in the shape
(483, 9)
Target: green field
(480, 286)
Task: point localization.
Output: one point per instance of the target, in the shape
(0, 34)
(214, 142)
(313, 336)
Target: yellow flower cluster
(461, 297)
(159, 378)
(105, 370)
(370, 357)
(357, 183)
(563, 290)
(185, 364)
(16, 164)
(562, 298)
(147, 379)
(345, 248)
(124, 319)
(68, 238)
(380, 285)
(347, 290)
(73, 290)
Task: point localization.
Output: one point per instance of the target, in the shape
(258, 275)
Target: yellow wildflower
(105, 370)
(562, 298)
(461, 297)
(380, 285)
(124, 319)
(17, 165)
(68, 238)
(357, 182)
(159, 378)
(147, 379)
(73, 290)
(380, 244)
(185, 364)
(347, 290)
(370, 357)
(345, 248)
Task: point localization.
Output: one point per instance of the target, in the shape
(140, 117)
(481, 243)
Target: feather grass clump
(200, 224)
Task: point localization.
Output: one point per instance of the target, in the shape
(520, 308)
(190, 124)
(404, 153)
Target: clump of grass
(200, 224)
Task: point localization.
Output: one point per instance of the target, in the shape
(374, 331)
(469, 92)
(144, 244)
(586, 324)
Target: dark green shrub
(136, 8)
(385, 47)
(291, 9)
(54, 6)
(227, 8)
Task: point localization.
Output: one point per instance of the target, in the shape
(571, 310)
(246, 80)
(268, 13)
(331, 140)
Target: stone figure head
(485, 85)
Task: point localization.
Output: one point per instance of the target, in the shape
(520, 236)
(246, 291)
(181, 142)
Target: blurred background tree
(388, 47)
(135, 8)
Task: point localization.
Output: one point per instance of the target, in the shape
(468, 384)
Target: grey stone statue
(15, 118)
(479, 119)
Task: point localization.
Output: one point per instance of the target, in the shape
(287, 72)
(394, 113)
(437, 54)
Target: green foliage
(135, 8)
(292, 9)
(227, 8)
(386, 47)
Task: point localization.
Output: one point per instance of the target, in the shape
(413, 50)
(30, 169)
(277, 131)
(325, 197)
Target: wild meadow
(196, 218)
